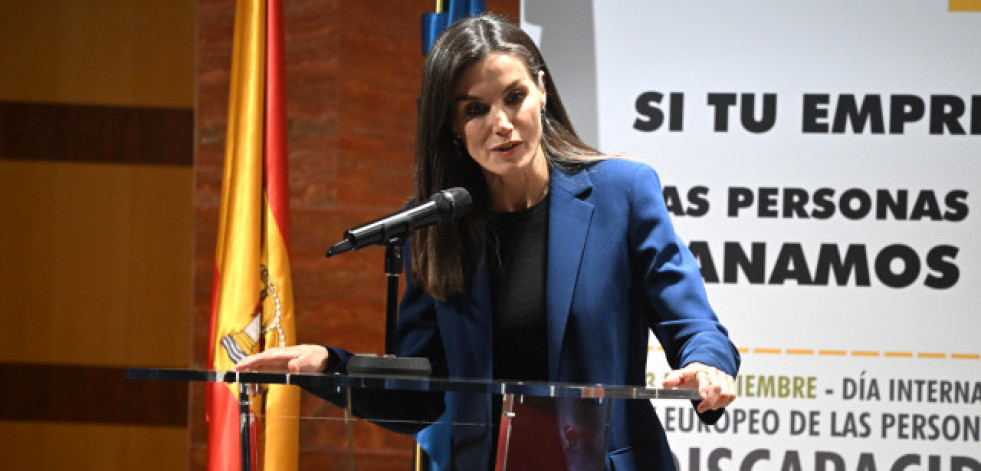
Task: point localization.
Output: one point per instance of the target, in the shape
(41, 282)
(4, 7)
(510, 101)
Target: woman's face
(497, 109)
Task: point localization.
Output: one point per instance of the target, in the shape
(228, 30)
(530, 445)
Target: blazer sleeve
(681, 316)
(417, 336)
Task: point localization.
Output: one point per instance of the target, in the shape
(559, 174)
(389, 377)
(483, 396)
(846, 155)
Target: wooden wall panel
(89, 394)
(108, 52)
(91, 133)
(80, 447)
(95, 258)
(95, 264)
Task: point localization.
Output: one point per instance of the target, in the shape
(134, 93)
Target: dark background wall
(112, 127)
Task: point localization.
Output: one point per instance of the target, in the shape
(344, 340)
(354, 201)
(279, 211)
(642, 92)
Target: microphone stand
(390, 364)
(393, 268)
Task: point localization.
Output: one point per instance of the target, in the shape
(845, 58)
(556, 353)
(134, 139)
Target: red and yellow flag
(252, 296)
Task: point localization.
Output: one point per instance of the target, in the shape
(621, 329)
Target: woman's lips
(503, 149)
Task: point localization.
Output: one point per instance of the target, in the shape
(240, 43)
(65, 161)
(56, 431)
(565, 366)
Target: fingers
(676, 379)
(716, 389)
(276, 358)
(728, 393)
(294, 359)
(685, 377)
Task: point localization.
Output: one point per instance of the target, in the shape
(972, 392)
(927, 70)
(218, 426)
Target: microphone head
(453, 203)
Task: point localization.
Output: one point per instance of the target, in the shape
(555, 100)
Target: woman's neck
(519, 191)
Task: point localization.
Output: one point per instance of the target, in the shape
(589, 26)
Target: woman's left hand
(716, 388)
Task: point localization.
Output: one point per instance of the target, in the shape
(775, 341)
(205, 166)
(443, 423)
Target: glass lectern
(542, 425)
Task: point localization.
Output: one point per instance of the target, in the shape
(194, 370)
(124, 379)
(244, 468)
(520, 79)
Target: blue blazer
(616, 270)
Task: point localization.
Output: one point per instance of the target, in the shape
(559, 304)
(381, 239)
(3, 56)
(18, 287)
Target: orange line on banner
(796, 351)
(832, 353)
(964, 5)
(854, 353)
(965, 356)
(899, 354)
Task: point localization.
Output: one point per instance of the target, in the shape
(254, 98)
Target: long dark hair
(445, 256)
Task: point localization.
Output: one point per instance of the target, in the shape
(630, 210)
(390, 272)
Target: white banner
(822, 160)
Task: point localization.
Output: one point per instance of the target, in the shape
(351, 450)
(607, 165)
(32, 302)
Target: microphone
(443, 206)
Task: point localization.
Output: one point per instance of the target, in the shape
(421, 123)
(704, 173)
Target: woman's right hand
(294, 359)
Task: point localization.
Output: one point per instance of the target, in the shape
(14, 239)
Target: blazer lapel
(569, 218)
(471, 317)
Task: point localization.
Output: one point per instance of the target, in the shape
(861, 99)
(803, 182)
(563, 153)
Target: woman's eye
(475, 109)
(516, 98)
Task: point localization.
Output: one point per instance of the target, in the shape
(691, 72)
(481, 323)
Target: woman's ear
(541, 86)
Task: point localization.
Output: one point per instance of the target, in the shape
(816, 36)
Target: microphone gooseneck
(444, 206)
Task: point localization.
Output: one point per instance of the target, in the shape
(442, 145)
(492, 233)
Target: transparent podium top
(537, 425)
(416, 383)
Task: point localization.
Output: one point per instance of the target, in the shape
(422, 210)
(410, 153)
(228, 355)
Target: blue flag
(434, 23)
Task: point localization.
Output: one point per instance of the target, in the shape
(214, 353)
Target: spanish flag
(252, 296)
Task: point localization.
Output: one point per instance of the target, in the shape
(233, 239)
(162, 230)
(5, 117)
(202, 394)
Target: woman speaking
(567, 262)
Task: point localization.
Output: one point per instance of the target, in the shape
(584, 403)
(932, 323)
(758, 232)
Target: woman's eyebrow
(507, 89)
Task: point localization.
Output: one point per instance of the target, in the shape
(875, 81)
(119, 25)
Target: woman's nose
(502, 123)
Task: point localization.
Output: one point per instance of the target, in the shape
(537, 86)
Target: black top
(517, 272)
